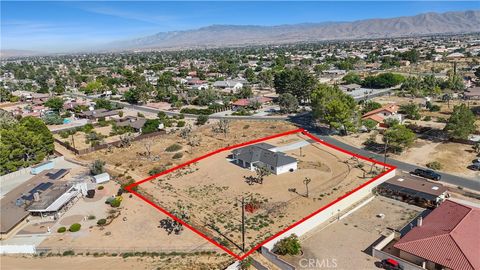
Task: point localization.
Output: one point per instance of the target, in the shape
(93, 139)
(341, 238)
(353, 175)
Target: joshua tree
(148, 147)
(223, 126)
(307, 181)
(125, 140)
(185, 133)
(261, 173)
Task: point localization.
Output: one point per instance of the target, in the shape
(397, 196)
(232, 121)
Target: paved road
(473, 184)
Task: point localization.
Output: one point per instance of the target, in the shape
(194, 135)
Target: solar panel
(56, 175)
(45, 186)
(33, 190)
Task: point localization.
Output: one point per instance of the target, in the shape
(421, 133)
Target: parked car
(474, 167)
(429, 174)
(391, 264)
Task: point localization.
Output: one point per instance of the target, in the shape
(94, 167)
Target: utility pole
(243, 222)
(385, 154)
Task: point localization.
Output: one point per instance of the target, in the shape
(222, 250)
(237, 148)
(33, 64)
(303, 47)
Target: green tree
(52, 119)
(265, 78)
(383, 80)
(24, 143)
(369, 106)
(101, 103)
(455, 82)
(55, 103)
(151, 125)
(352, 77)
(288, 103)
(461, 123)
(334, 107)
(411, 111)
(202, 120)
(245, 92)
(296, 81)
(411, 55)
(250, 75)
(398, 137)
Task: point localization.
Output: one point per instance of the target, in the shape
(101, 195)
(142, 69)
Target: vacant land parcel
(275, 183)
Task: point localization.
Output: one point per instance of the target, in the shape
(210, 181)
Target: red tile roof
(392, 108)
(246, 102)
(449, 236)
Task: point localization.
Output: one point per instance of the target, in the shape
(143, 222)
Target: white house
(261, 155)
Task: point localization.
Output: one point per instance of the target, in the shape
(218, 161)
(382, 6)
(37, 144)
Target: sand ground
(209, 190)
(349, 239)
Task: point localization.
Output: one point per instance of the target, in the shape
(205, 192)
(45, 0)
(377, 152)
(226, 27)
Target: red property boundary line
(304, 132)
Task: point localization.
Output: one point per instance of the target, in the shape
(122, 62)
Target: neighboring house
(413, 191)
(448, 238)
(95, 115)
(263, 155)
(136, 123)
(33, 195)
(381, 114)
(228, 85)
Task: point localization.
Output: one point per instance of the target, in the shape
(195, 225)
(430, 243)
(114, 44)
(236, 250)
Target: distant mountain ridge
(241, 35)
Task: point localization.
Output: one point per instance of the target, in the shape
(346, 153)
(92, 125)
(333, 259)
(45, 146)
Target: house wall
(382, 255)
(331, 211)
(286, 168)
(411, 258)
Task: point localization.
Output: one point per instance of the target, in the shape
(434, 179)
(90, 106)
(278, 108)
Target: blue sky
(62, 26)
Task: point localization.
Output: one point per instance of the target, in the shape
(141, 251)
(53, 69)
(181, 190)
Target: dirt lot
(180, 262)
(208, 191)
(132, 160)
(349, 239)
(136, 220)
(425, 151)
(79, 138)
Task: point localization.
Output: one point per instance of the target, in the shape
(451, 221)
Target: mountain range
(242, 35)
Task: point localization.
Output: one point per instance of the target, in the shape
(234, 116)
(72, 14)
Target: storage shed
(101, 178)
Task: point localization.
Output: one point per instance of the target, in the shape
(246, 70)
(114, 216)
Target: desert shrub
(178, 155)
(87, 128)
(91, 217)
(434, 108)
(434, 165)
(116, 202)
(68, 253)
(288, 246)
(101, 221)
(173, 148)
(156, 170)
(427, 118)
(202, 120)
(62, 230)
(75, 227)
(180, 123)
(196, 111)
(100, 187)
(63, 134)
